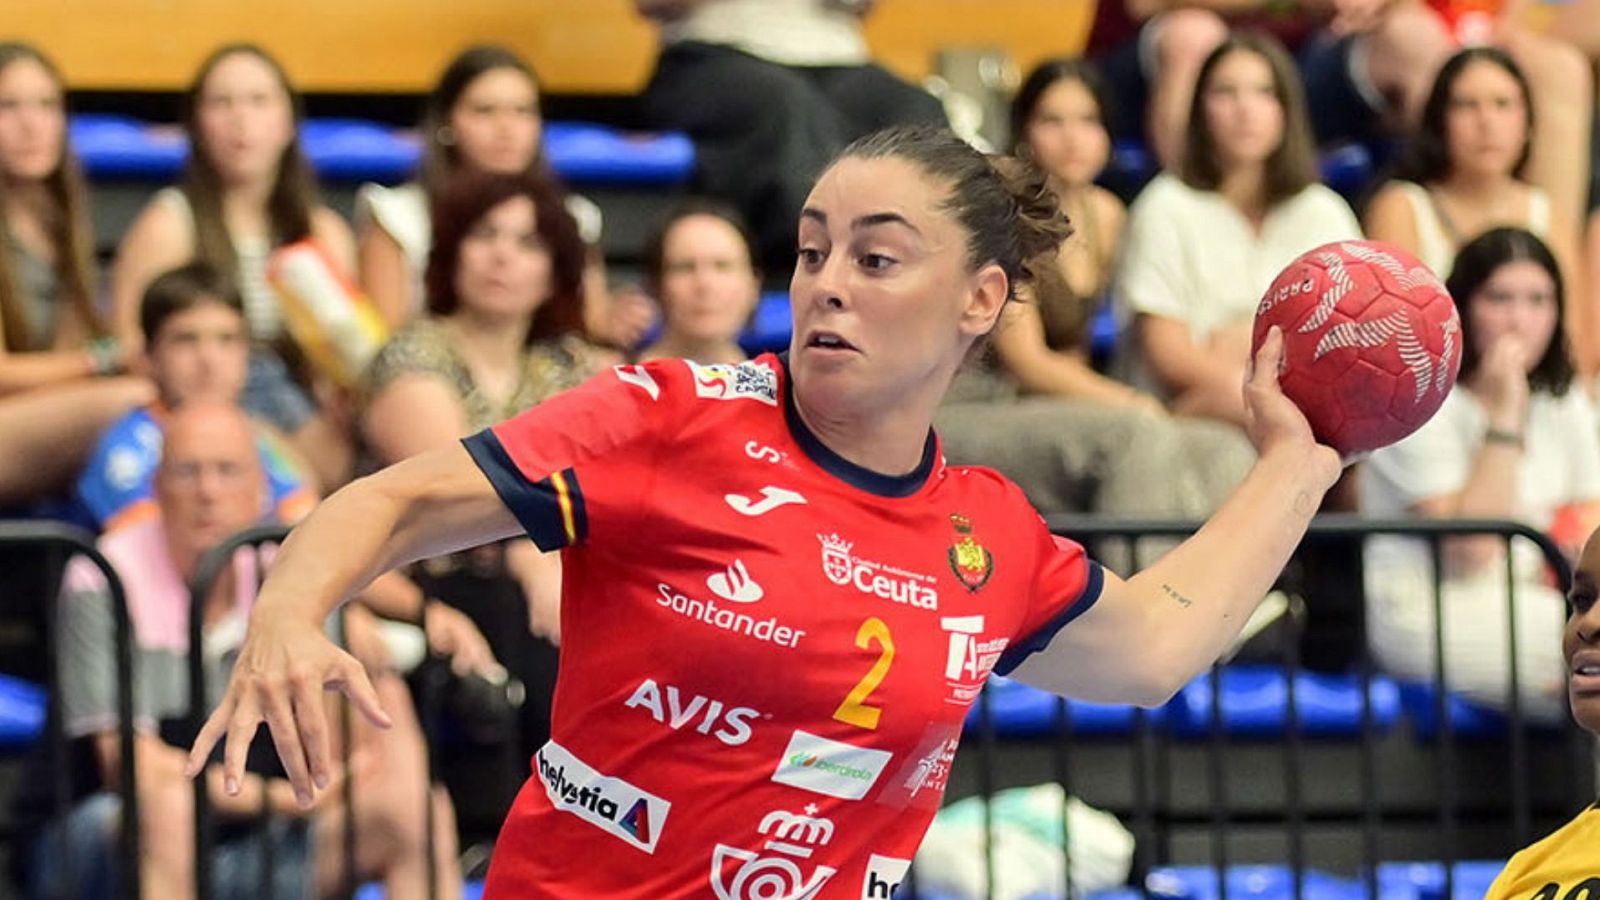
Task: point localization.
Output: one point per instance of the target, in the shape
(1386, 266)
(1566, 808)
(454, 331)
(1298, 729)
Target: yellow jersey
(1564, 865)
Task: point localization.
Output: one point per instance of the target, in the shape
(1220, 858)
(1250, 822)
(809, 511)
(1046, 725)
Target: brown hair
(179, 290)
(71, 231)
(655, 249)
(1293, 164)
(1428, 159)
(441, 159)
(1005, 204)
(294, 191)
(465, 200)
(1475, 264)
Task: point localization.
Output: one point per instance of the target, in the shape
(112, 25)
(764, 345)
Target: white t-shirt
(1560, 465)
(787, 32)
(1191, 255)
(403, 214)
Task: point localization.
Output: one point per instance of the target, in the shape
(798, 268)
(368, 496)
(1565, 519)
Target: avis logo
(771, 499)
(877, 579)
(735, 585)
(749, 380)
(610, 804)
(671, 709)
(779, 868)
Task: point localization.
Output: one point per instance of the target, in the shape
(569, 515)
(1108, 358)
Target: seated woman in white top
(1466, 172)
(1203, 245)
(701, 267)
(247, 190)
(482, 116)
(1514, 440)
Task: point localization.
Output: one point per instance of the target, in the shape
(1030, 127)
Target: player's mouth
(1584, 672)
(829, 342)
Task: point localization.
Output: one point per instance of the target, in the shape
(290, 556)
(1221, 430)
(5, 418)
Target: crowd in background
(177, 394)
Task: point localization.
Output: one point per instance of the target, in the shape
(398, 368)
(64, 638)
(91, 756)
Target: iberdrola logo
(969, 560)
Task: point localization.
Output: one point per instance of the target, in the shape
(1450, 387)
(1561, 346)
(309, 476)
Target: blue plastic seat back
(1023, 711)
(1425, 880)
(1249, 882)
(23, 707)
(115, 146)
(1255, 703)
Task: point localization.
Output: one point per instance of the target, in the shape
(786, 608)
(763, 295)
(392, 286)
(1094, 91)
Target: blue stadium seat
(770, 327)
(1021, 711)
(472, 890)
(1467, 719)
(1425, 880)
(1345, 168)
(359, 150)
(115, 146)
(112, 146)
(1248, 883)
(22, 712)
(1255, 703)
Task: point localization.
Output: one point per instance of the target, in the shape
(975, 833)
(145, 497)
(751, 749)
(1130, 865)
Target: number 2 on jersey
(854, 710)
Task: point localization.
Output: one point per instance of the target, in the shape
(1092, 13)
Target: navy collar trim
(843, 469)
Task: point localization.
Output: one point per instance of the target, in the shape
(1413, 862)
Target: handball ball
(1371, 342)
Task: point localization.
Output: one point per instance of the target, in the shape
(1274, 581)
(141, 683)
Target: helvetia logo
(610, 804)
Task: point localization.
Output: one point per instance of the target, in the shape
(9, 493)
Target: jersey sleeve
(1066, 584)
(537, 461)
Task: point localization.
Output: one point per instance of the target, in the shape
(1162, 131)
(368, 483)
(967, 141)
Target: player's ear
(989, 289)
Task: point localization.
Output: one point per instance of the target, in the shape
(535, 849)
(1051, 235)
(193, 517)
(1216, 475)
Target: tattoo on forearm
(1303, 504)
(1178, 598)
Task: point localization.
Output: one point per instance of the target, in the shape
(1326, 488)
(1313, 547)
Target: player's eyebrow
(866, 221)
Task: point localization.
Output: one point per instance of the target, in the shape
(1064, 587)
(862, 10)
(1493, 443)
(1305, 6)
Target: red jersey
(767, 651)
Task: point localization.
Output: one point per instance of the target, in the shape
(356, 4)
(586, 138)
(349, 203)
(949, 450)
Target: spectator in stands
(505, 315)
(769, 91)
(700, 266)
(247, 190)
(1466, 173)
(482, 116)
(1367, 71)
(1513, 440)
(1035, 408)
(197, 349)
(59, 384)
(1373, 61)
(1566, 859)
(1203, 244)
(210, 485)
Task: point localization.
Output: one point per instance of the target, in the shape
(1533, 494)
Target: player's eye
(876, 262)
(810, 257)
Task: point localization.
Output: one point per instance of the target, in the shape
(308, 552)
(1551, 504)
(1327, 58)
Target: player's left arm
(1149, 635)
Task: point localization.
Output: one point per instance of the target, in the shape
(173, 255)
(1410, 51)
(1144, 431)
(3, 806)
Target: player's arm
(428, 505)
(1149, 635)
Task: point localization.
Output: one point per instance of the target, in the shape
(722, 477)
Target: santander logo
(735, 585)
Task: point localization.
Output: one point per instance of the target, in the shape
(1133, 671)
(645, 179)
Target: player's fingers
(353, 680)
(241, 731)
(306, 703)
(204, 742)
(285, 732)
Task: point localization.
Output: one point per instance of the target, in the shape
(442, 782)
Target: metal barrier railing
(211, 568)
(58, 544)
(1156, 813)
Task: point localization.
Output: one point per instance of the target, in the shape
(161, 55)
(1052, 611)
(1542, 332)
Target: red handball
(1371, 339)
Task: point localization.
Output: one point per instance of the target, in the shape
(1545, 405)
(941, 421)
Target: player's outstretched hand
(283, 669)
(1275, 424)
